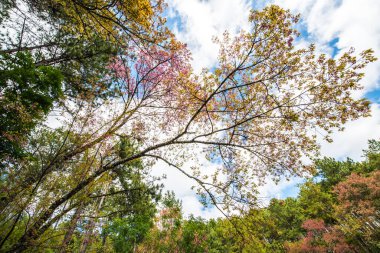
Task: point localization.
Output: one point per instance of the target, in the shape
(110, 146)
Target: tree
(320, 238)
(253, 114)
(166, 235)
(358, 209)
(341, 208)
(329, 172)
(28, 93)
(287, 216)
(324, 217)
(316, 203)
(79, 38)
(131, 215)
(196, 235)
(102, 18)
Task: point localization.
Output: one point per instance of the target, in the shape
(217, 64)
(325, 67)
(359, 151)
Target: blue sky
(333, 25)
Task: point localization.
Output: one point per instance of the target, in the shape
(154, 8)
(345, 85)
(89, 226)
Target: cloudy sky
(333, 25)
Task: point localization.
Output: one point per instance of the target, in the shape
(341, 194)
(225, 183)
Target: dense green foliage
(28, 93)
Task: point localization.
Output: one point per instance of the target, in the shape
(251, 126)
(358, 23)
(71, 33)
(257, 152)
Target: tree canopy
(122, 93)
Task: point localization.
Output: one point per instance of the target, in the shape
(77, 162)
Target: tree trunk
(91, 225)
(37, 229)
(71, 229)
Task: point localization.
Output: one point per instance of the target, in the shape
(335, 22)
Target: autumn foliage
(95, 93)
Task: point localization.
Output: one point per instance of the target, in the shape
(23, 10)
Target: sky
(332, 25)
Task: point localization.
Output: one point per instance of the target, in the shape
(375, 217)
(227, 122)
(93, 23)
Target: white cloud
(201, 20)
(284, 188)
(191, 205)
(353, 140)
